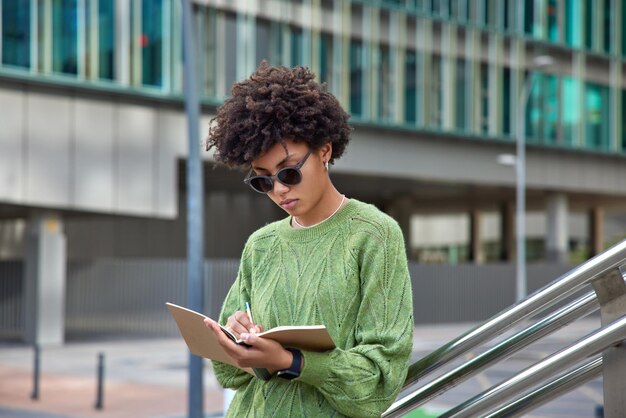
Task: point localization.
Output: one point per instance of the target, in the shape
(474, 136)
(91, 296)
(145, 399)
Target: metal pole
(195, 227)
(520, 192)
(36, 368)
(100, 382)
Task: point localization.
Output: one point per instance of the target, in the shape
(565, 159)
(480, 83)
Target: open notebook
(202, 342)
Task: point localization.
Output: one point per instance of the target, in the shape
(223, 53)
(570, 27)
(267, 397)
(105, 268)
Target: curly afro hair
(275, 104)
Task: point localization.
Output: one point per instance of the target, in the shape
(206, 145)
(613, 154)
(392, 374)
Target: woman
(333, 261)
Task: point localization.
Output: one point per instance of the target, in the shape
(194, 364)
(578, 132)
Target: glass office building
(451, 67)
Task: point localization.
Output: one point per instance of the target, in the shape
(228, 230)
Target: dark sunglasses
(289, 176)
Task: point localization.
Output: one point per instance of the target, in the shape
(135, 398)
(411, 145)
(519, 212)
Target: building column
(507, 232)
(596, 231)
(556, 228)
(476, 253)
(44, 274)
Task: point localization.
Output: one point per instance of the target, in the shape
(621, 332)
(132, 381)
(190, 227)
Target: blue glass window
(550, 105)
(151, 42)
(65, 36)
(297, 41)
(16, 33)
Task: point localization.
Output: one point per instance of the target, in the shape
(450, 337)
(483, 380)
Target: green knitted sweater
(349, 273)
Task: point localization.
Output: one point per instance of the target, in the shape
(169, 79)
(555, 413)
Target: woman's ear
(326, 152)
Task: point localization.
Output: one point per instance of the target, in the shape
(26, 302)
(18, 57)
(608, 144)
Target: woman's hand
(239, 323)
(261, 353)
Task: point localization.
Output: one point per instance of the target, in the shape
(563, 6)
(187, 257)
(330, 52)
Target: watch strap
(294, 370)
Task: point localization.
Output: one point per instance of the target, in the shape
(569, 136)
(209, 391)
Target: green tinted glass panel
(16, 33)
(553, 22)
(529, 16)
(297, 40)
(506, 102)
(623, 119)
(607, 16)
(573, 32)
(65, 36)
(384, 85)
(533, 113)
(460, 93)
(410, 88)
(106, 39)
(356, 78)
(550, 104)
(152, 42)
(570, 110)
(623, 29)
(597, 113)
(589, 26)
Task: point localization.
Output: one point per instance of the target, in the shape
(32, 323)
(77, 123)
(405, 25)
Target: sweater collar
(286, 231)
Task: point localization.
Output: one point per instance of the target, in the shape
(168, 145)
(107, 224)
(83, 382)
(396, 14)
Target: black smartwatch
(294, 370)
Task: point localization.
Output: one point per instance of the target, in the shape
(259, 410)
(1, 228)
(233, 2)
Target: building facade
(93, 138)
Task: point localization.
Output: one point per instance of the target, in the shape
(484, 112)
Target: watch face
(288, 374)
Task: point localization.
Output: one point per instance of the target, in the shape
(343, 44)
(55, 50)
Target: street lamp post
(520, 176)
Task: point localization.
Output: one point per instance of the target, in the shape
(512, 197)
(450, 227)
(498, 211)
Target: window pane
(262, 41)
(623, 25)
(65, 36)
(529, 16)
(570, 110)
(573, 33)
(589, 26)
(229, 65)
(384, 83)
(608, 24)
(356, 78)
(297, 41)
(435, 93)
(326, 60)
(106, 39)
(152, 42)
(597, 116)
(460, 99)
(484, 98)
(16, 33)
(553, 23)
(623, 119)
(550, 105)
(506, 102)
(410, 88)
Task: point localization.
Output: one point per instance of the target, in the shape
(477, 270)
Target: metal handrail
(551, 390)
(611, 334)
(576, 309)
(552, 293)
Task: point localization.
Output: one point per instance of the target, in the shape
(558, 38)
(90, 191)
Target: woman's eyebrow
(281, 162)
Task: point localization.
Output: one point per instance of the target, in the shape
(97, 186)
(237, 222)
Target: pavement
(147, 377)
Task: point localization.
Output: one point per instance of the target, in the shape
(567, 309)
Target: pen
(249, 312)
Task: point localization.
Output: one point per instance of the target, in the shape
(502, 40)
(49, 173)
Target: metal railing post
(611, 291)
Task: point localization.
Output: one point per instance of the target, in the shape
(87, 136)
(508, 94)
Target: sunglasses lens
(262, 184)
(289, 176)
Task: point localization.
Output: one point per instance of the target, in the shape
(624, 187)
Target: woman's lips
(288, 204)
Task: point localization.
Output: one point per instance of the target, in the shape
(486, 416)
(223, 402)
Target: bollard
(35, 394)
(100, 383)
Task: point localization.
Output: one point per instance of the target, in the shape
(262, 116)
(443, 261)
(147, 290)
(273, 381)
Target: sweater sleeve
(363, 381)
(229, 376)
